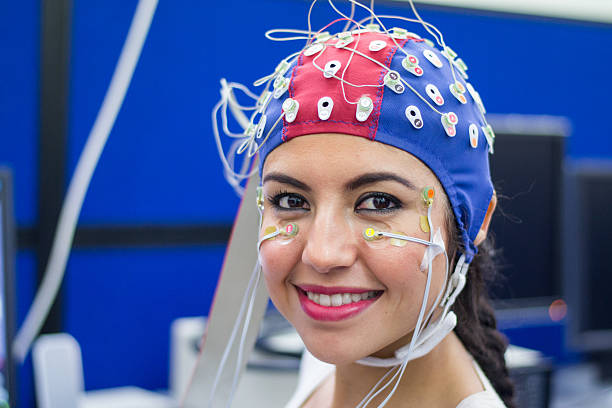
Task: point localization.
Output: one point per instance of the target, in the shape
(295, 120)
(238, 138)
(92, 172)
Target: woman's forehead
(340, 156)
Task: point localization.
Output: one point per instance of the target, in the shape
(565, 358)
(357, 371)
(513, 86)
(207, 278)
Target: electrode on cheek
(424, 220)
(259, 200)
(370, 234)
(374, 238)
(398, 239)
(291, 230)
(428, 196)
(424, 223)
(288, 231)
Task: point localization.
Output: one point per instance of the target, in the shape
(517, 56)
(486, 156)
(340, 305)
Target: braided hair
(476, 323)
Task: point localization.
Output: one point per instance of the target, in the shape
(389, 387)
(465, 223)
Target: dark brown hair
(476, 323)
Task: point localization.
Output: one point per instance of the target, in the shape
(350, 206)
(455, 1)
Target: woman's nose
(330, 244)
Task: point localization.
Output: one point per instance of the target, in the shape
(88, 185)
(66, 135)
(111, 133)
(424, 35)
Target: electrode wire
(396, 377)
(348, 23)
(373, 389)
(239, 322)
(425, 24)
(243, 336)
(234, 177)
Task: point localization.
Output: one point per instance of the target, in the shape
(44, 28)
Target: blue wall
(160, 164)
(120, 303)
(19, 70)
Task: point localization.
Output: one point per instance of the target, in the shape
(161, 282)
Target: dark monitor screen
(7, 309)
(588, 242)
(527, 172)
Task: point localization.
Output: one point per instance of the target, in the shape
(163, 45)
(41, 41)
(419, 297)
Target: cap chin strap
(436, 331)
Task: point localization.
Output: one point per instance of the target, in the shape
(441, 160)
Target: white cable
(243, 336)
(268, 35)
(81, 178)
(372, 394)
(231, 175)
(373, 389)
(348, 23)
(397, 377)
(252, 285)
(246, 305)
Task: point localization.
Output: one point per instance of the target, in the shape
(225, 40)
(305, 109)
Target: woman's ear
(484, 228)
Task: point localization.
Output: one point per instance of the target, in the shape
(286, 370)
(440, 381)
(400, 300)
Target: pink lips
(332, 313)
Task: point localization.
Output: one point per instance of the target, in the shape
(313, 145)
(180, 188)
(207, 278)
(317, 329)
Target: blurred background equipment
(527, 172)
(185, 345)
(587, 248)
(58, 370)
(8, 388)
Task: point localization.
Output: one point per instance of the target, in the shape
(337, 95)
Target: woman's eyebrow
(283, 178)
(370, 178)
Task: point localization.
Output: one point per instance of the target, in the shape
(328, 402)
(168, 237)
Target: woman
(376, 201)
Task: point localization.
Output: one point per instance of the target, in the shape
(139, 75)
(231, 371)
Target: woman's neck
(443, 377)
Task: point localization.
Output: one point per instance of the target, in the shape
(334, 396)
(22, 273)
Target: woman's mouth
(334, 304)
(339, 299)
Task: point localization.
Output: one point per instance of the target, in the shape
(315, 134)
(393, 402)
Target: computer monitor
(7, 290)
(587, 247)
(527, 172)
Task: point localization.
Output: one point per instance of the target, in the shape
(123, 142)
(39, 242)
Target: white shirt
(313, 372)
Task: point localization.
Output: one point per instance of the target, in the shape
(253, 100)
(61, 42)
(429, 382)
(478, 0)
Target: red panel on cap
(308, 85)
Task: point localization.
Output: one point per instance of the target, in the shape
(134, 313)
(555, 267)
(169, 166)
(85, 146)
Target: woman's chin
(333, 352)
(332, 356)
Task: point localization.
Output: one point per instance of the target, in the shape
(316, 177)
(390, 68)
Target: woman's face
(348, 298)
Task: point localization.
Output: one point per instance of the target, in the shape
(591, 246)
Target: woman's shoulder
(483, 399)
(311, 375)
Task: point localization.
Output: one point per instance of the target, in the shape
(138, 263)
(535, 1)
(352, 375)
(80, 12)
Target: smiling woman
(375, 204)
(335, 187)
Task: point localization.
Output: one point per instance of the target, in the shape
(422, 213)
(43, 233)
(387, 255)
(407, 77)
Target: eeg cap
(392, 88)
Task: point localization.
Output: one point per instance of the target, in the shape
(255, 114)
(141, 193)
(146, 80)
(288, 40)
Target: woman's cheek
(277, 262)
(396, 265)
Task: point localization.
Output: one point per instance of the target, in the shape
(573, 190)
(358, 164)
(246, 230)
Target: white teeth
(339, 299)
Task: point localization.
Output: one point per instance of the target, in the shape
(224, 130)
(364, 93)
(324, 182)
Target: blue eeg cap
(458, 156)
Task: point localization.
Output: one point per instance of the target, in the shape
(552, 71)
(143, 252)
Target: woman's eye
(379, 202)
(288, 201)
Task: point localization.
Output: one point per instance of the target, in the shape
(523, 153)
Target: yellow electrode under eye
(369, 234)
(398, 239)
